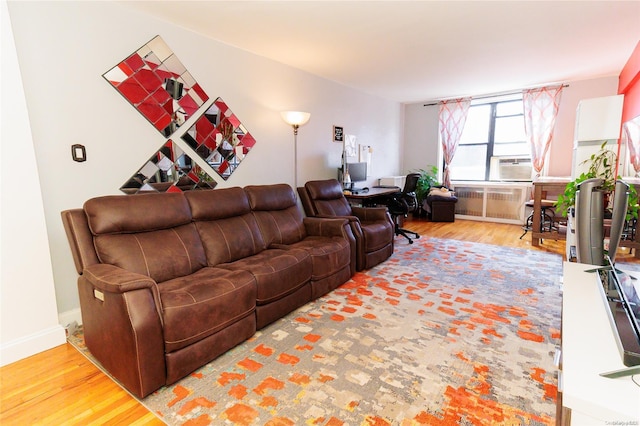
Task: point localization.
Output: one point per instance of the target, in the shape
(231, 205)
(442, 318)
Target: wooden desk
(549, 184)
(368, 198)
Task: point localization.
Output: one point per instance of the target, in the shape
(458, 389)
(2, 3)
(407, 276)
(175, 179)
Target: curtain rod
(515, 92)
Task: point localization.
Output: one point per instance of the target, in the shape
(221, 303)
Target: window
(494, 128)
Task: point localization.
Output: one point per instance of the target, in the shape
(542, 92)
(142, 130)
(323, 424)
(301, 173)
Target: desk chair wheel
(406, 233)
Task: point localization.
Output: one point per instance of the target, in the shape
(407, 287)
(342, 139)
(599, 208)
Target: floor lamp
(295, 119)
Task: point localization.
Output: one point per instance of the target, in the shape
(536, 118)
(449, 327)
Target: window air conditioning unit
(512, 169)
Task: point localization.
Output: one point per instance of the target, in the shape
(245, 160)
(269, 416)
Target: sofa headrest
(122, 214)
(329, 189)
(213, 204)
(270, 197)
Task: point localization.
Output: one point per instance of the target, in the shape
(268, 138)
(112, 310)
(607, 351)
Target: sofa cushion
(117, 214)
(161, 255)
(198, 305)
(212, 204)
(328, 254)
(150, 234)
(228, 230)
(277, 272)
(276, 210)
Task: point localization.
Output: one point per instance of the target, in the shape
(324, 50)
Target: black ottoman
(442, 209)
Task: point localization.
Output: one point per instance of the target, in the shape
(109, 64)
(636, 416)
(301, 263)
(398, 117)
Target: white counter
(588, 349)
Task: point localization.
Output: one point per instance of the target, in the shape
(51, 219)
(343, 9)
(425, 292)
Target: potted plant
(428, 178)
(602, 165)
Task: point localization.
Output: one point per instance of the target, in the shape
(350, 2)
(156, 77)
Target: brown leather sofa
(170, 281)
(372, 226)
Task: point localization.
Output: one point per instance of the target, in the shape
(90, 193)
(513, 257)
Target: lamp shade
(295, 118)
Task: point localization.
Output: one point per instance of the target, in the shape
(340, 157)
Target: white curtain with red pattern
(631, 137)
(540, 112)
(452, 116)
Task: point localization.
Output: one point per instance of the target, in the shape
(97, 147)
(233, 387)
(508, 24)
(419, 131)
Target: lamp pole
(295, 119)
(295, 155)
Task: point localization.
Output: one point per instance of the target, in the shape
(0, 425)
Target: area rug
(444, 333)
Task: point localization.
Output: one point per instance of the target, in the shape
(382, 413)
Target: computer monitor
(357, 171)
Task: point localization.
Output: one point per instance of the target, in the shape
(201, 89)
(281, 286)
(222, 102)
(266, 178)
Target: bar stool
(546, 216)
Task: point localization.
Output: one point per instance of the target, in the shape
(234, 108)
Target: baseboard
(68, 317)
(32, 344)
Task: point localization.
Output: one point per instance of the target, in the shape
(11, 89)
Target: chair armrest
(370, 213)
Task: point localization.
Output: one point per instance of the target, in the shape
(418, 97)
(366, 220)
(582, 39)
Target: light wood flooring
(60, 386)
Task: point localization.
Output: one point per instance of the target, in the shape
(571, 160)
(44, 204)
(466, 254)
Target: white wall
(561, 150)
(421, 148)
(28, 315)
(65, 47)
(421, 128)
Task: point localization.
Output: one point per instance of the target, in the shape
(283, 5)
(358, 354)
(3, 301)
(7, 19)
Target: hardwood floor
(481, 232)
(60, 386)
(495, 233)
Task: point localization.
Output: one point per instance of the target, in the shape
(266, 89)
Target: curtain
(631, 136)
(452, 116)
(540, 112)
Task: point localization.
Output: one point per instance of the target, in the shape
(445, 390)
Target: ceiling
(415, 51)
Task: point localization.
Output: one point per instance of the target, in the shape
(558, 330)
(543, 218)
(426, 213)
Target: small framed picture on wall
(338, 134)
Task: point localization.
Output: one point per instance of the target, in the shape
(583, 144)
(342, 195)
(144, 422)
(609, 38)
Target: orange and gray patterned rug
(443, 333)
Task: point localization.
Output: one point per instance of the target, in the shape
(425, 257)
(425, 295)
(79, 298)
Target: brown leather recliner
(371, 226)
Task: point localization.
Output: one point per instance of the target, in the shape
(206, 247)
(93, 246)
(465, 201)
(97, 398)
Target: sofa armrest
(112, 279)
(123, 326)
(351, 219)
(327, 227)
(336, 227)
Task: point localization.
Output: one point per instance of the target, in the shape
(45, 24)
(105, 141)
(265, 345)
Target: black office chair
(402, 203)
